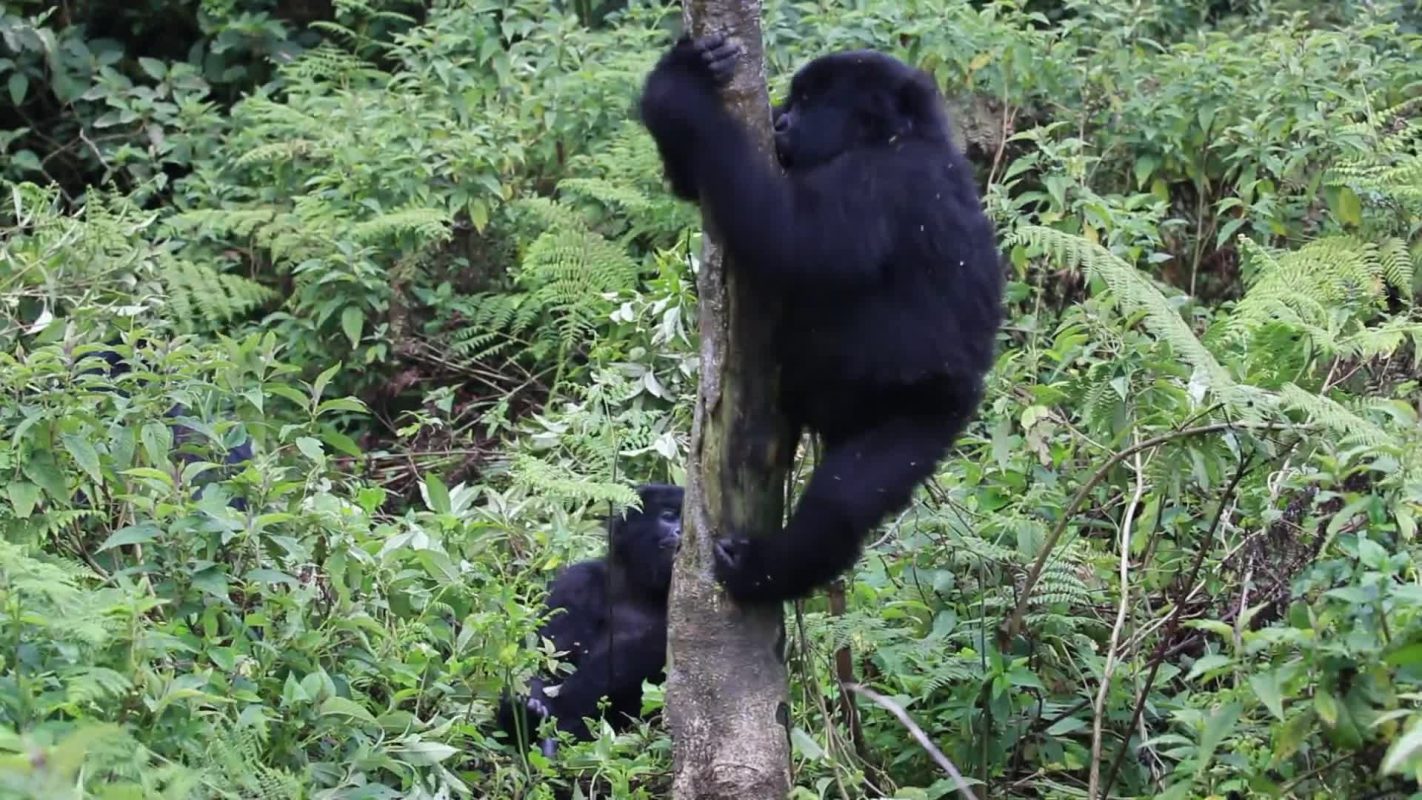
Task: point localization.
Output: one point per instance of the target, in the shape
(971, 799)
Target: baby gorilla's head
(644, 541)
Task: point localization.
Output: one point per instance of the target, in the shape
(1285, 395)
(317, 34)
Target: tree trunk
(727, 704)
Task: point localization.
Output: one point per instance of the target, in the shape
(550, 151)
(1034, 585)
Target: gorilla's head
(645, 540)
(862, 98)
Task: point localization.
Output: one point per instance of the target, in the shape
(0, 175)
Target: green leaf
(339, 441)
(151, 474)
(319, 387)
(264, 575)
(342, 707)
(1217, 727)
(436, 495)
(1402, 756)
(1268, 688)
(352, 321)
(1371, 553)
(1405, 656)
(41, 469)
(19, 85)
(212, 581)
(806, 745)
(479, 215)
(310, 447)
(1208, 663)
(289, 392)
(24, 496)
(1066, 726)
(1349, 207)
(1146, 166)
(422, 753)
(1326, 705)
(157, 441)
(156, 69)
(130, 534)
(342, 404)
(84, 454)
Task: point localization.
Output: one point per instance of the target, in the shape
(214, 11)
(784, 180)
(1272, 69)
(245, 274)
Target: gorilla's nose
(672, 537)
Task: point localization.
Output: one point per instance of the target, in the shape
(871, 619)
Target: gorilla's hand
(693, 68)
(740, 567)
(712, 57)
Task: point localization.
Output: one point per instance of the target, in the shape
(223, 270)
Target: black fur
(188, 444)
(875, 245)
(610, 618)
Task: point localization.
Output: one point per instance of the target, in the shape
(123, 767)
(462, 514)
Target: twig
(1109, 666)
(1173, 623)
(1011, 626)
(918, 735)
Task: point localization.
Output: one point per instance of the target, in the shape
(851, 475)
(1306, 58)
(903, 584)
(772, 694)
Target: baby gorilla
(189, 445)
(874, 244)
(609, 616)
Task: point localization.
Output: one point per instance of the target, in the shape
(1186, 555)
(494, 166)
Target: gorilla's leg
(612, 668)
(861, 480)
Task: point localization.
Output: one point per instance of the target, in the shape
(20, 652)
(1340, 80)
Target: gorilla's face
(843, 101)
(645, 540)
(810, 131)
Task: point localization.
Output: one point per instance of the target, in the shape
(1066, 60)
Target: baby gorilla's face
(645, 541)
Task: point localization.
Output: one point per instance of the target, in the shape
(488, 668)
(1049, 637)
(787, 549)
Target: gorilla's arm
(634, 652)
(828, 226)
(577, 604)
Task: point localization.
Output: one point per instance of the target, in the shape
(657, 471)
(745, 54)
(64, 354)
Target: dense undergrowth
(420, 255)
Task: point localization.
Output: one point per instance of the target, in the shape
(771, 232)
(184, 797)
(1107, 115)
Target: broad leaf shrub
(129, 92)
(167, 643)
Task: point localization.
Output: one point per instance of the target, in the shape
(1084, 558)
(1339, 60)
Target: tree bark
(727, 704)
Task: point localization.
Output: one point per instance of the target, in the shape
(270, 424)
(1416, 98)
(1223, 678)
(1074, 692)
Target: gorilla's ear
(919, 104)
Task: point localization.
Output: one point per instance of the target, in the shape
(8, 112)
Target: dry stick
(1112, 651)
(1172, 624)
(918, 735)
(1013, 623)
(844, 673)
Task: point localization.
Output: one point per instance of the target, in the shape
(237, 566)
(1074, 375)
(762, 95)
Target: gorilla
(609, 615)
(188, 444)
(874, 243)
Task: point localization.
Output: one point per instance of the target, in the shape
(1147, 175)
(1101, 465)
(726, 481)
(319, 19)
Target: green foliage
(579, 265)
(107, 259)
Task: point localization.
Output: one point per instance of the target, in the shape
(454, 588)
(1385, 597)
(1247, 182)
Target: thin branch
(1173, 622)
(1108, 667)
(1012, 625)
(918, 735)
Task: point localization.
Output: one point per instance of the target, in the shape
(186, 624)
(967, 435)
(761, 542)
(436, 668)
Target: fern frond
(201, 298)
(430, 225)
(1336, 417)
(1133, 293)
(1130, 289)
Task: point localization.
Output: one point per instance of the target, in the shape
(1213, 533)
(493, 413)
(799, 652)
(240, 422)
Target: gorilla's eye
(669, 513)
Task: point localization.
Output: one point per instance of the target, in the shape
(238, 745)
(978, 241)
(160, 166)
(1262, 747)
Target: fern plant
(566, 281)
(1339, 279)
(583, 258)
(111, 259)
